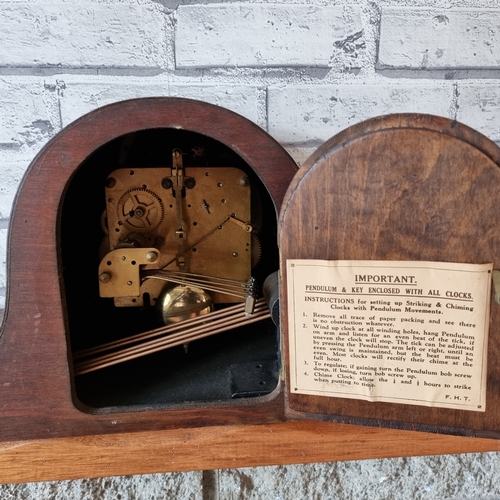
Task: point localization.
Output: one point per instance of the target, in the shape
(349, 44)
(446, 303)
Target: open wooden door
(389, 238)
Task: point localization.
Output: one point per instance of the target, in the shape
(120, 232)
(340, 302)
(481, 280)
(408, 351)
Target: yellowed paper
(402, 332)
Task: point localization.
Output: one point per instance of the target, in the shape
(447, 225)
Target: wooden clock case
(334, 207)
(53, 308)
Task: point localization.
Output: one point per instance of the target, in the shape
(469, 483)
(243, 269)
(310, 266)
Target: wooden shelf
(218, 447)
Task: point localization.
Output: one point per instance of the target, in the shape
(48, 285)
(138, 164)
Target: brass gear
(103, 248)
(133, 240)
(256, 250)
(140, 210)
(104, 222)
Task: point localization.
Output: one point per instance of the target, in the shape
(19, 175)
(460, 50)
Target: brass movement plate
(141, 207)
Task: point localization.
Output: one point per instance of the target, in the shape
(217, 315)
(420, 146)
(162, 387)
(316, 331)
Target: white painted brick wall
(80, 97)
(439, 38)
(479, 107)
(302, 69)
(3, 253)
(11, 175)
(29, 116)
(261, 35)
(89, 34)
(302, 114)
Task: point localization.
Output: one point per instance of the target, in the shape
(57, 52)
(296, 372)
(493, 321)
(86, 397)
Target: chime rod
(167, 330)
(151, 347)
(155, 346)
(180, 335)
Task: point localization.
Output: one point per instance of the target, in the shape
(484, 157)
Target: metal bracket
(119, 271)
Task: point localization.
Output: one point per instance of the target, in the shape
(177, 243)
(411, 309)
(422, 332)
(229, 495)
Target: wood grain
(36, 383)
(218, 447)
(403, 187)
